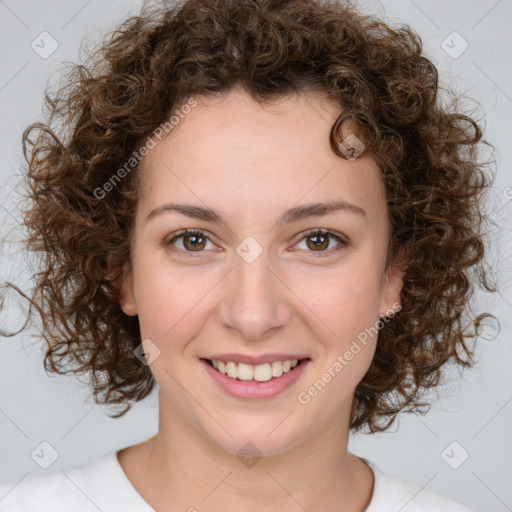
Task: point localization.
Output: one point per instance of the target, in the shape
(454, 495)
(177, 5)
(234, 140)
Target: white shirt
(102, 485)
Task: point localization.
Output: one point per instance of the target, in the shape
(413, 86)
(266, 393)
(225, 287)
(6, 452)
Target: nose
(254, 300)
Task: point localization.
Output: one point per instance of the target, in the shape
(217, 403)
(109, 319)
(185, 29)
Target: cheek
(346, 300)
(169, 303)
(348, 306)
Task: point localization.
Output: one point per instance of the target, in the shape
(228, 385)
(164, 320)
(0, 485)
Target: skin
(252, 163)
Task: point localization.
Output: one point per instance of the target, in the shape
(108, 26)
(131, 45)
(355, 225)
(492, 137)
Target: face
(264, 280)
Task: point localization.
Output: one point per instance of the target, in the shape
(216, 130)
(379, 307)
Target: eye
(320, 241)
(192, 240)
(196, 240)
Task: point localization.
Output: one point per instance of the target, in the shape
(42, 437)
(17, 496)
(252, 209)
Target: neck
(181, 466)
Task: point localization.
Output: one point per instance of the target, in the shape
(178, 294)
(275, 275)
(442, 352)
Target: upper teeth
(260, 372)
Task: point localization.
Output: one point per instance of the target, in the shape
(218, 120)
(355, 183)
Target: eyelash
(312, 232)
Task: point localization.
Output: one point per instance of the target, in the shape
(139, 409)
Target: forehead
(233, 151)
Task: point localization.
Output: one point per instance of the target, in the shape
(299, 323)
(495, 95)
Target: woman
(263, 208)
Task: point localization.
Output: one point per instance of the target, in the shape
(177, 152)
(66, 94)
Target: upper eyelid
(325, 231)
(184, 232)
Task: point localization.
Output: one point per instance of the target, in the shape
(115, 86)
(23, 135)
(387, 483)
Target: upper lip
(255, 360)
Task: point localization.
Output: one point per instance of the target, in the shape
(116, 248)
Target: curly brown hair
(151, 64)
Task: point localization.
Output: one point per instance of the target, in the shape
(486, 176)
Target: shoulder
(391, 494)
(79, 489)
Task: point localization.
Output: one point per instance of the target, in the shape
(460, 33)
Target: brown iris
(320, 245)
(195, 245)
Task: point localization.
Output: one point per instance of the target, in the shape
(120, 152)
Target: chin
(258, 436)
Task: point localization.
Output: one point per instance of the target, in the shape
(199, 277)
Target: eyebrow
(292, 215)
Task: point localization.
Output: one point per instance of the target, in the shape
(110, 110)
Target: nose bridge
(253, 303)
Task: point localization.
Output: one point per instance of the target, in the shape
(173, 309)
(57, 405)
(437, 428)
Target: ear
(390, 299)
(127, 295)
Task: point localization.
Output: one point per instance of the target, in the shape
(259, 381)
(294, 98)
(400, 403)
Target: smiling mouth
(259, 373)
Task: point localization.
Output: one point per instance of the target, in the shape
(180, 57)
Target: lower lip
(256, 390)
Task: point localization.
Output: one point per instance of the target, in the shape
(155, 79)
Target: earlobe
(127, 296)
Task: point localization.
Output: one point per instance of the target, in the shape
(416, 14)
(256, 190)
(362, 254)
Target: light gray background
(475, 411)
